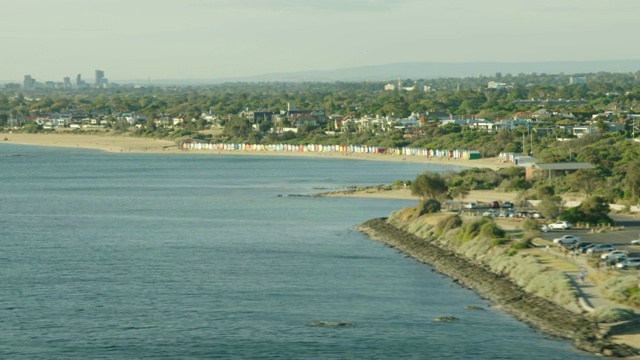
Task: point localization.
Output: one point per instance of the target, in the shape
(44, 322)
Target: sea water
(135, 256)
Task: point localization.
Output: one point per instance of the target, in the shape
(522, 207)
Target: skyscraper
(99, 78)
(29, 82)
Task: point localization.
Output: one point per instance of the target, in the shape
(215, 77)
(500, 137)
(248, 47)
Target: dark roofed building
(550, 170)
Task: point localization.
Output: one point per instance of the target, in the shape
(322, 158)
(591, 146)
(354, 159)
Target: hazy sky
(178, 39)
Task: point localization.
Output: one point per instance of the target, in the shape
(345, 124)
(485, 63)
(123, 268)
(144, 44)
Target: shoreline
(129, 144)
(541, 313)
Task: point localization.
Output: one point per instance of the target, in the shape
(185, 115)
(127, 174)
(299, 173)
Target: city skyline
(30, 82)
(198, 39)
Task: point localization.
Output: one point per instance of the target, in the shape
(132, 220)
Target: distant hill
(421, 70)
(431, 70)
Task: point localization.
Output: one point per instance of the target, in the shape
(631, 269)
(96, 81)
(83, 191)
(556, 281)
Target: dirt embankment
(534, 310)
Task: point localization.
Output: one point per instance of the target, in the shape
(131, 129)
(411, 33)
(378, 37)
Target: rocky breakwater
(534, 310)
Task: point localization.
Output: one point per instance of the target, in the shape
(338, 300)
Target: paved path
(590, 292)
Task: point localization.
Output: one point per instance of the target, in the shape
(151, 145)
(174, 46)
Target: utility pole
(531, 139)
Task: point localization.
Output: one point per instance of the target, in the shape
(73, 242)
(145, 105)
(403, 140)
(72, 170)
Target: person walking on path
(581, 276)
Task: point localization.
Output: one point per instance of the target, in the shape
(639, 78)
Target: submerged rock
(330, 323)
(473, 307)
(446, 319)
(542, 313)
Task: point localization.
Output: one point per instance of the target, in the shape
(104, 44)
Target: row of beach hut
(409, 151)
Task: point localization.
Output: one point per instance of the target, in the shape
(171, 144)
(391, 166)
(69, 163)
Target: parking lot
(627, 229)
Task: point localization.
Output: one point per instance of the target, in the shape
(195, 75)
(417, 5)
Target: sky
(210, 39)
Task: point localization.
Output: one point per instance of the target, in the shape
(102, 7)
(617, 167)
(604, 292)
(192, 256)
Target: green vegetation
(429, 206)
(623, 289)
(429, 185)
(546, 103)
(593, 211)
(611, 315)
(481, 240)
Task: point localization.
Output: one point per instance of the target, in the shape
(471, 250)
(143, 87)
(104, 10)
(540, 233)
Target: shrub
(471, 229)
(491, 230)
(623, 289)
(523, 243)
(555, 286)
(449, 223)
(399, 184)
(611, 315)
(531, 225)
(429, 206)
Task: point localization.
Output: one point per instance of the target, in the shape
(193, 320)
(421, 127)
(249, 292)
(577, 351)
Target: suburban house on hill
(550, 170)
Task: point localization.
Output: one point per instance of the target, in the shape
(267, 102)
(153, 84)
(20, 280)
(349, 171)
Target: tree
(550, 206)
(585, 180)
(633, 178)
(459, 192)
(593, 210)
(429, 206)
(601, 127)
(237, 127)
(429, 185)
(397, 107)
(32, 128)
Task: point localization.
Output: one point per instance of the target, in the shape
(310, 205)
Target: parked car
(635, 242)
(561, 225)
(614, 260)
(600, 248)
(613, 253)
(507, 213)
(585, 249)
(471, 206)
(629, 263)
(582, 246)
(567, 239)
(491, 212)
(544, 228)
(507, 205)
(494, 205)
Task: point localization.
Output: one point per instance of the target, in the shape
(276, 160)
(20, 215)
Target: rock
(330, 323)
(541, 313)
(446, 319)
(473, 307)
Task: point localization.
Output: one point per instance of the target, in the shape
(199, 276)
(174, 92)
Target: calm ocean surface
(127, 256)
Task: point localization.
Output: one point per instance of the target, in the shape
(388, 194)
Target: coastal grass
(622, 289)
(481, 240)
(611, 315)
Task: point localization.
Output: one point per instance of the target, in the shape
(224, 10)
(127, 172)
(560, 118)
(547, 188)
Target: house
(438, 115)
(303, 119)
(496, 85)
(542, 114)
(580, 131)
(256, 116)
(538, 171)
(524, 161)
(488, 126)
(465, 122)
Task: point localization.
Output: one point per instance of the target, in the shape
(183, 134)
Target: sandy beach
(99, 142)
(117, 144)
